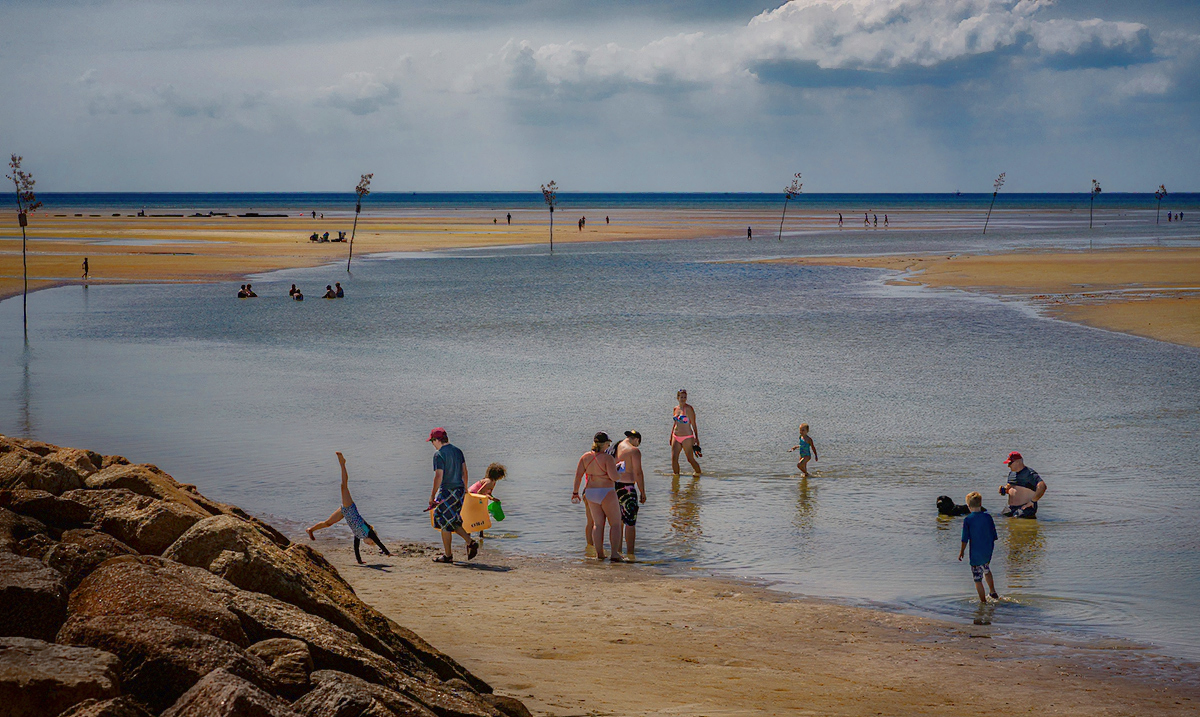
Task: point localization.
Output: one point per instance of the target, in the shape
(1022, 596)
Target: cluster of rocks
(124, 593)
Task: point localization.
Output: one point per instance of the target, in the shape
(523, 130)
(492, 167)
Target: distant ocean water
(399, 202)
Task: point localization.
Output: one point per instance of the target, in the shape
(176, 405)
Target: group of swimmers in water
(331, 292)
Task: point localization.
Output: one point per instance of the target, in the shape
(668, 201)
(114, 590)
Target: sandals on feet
(444, 559)
(472, 549)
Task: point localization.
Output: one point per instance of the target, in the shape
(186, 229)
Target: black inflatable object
(946, 506)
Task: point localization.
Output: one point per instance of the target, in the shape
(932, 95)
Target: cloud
(359, 93)
(824, 43)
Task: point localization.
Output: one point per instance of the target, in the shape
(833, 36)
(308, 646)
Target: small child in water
(349, 511)
(979, 531)
(807, 449)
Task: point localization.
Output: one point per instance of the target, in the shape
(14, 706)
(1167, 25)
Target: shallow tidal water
(911, 393)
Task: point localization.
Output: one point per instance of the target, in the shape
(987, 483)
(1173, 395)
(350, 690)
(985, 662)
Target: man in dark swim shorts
(1024, 488)
(630, 482)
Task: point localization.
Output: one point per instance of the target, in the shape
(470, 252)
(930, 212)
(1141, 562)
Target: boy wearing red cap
(449, 489)
(1024, 488)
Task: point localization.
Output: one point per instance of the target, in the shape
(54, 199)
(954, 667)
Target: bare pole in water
(550, 195)
(26, 202)
(789, 193)
(362, 190)
(995, 190)
(1159, 194)
(1095, 191)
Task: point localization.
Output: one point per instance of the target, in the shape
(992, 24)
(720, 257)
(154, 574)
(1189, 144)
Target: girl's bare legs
(347, 501)
(332, 520)
(612, 511)
(803, 466)
(596, 511)
(691, 455)
(676, 446)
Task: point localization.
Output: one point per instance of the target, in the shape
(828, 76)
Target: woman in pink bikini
(601, 472)
(685, 434)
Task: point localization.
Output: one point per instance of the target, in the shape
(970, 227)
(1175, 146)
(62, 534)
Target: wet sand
(1151, 292)
(589, 638)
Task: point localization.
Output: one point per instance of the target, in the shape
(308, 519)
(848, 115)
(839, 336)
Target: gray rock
(33, 596)
(20, 468)
(221, 694)
(81, 552)
(510, 706)
(147, 525)
(15, 528)
(39, 678)
(161, 660)
(289, 662)
(46, 507)
(115, 707)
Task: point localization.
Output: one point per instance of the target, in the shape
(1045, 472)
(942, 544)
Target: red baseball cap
(438, 434)
(1014, 456)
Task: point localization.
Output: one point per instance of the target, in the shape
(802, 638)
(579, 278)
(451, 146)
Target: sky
(679, 95)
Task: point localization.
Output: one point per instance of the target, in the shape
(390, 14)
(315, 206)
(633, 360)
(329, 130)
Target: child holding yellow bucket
(495, 473)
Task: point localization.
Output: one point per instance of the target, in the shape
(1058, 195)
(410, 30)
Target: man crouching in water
(630, 485)
(1024, 488)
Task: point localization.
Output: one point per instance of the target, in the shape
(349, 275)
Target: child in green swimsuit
(808, 450)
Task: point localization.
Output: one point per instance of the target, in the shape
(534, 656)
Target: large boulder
(82, 551)
(24, 469)
(338, 694)
(234, 550)
(160, 659)
(83, 463)
(222, 694)
(33, 598)
(38, 448)
(38, 678)
(510, 706)
(288, 661)
(150, 481)
(114, 707)
(45, 507)
(147, 525)
(148, 587)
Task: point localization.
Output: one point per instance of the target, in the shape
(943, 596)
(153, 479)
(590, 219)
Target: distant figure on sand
(329, 292)
(1024, 488)
(509, 217)
(876, 220)
(807, 449)
(446, 498)
(314, 214)
(685, 434)
(250, 292)
(749, 234)
(85, 268)
(601, 472)
(885, 221)
(349, 511)
(606, 219)
(337, 289)
(630, 486)
(979, 530)
(866, 220)
(839, 220)
(292, 291)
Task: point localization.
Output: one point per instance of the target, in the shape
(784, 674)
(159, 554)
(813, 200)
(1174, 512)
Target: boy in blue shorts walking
(979, 530)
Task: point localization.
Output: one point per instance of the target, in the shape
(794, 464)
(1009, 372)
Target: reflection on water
(686, 531)
(1024, 548)
(984, 612)
(910, 393)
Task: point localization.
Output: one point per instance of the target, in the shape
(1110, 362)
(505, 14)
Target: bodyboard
(474, 513)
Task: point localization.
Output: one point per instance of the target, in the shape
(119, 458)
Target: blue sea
(522, 355)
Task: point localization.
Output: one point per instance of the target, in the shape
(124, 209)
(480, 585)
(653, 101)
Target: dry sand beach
(586, 638)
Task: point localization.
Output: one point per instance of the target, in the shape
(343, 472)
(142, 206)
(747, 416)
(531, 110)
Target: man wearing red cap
(1024, 488)
(449, 489)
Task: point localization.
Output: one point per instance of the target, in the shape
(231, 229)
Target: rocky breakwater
(124, 593)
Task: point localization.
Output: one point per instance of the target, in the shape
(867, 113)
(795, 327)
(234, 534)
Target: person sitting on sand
(979, 530)
(329, 292)
(337, 289)
(250, 292)
(685, 434)
(601, 472)
(242, 292)
(297, 296)
(349, 511)
(449, 489)
(325, 237)
(807, 449)
(1024, 488)
(630, 483)
(292, 291)
(315, 237)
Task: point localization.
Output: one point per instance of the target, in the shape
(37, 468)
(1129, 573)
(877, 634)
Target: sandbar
(1153, 292)
(588, 638)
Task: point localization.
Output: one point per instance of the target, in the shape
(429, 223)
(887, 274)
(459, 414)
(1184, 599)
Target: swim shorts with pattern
(627, 497)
